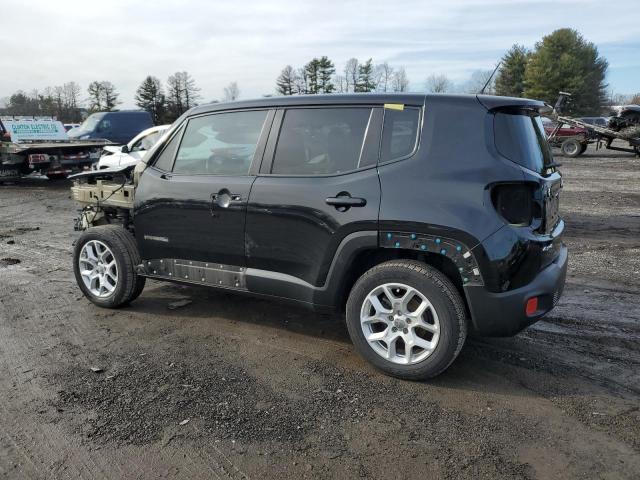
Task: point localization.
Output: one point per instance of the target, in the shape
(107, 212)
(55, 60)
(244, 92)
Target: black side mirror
(124, 149)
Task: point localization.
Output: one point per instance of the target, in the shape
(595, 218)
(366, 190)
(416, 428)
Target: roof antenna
(490, 78)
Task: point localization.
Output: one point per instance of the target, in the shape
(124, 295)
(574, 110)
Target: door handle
(344, 201)
(224, 198)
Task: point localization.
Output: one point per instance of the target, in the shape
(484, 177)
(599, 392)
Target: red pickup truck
(572, 141)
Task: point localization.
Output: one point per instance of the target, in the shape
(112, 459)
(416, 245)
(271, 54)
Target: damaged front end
(105, 197)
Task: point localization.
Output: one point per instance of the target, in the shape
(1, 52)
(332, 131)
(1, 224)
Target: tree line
(165, 103)
(319, 76)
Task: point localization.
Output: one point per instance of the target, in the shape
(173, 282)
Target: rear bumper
(503, 314)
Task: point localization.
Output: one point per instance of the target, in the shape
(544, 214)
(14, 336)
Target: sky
(47, 43)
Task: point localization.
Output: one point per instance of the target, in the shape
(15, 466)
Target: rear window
(520, 137)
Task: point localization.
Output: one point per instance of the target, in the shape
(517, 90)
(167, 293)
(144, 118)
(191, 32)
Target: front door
(194, 208)
(318, 184)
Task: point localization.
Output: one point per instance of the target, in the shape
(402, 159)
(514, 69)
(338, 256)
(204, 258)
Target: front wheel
(407, 319)
(104, 262)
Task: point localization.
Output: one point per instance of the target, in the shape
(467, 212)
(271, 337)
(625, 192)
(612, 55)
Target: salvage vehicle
(132, 152)
(119, 127)
(422, 217)
(41, 145)
(623, 125)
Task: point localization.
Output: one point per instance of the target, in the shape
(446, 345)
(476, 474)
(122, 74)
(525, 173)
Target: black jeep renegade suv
(423, 216)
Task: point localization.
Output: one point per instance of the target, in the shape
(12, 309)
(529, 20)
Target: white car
(132, 152)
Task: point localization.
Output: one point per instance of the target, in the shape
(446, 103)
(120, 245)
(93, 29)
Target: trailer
(41, 145)
(625, 127)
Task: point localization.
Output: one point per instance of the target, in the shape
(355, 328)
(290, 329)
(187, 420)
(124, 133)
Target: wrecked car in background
(41, 145)
(132, 152)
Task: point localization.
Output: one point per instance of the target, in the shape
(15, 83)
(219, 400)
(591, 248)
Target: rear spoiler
(492, 102)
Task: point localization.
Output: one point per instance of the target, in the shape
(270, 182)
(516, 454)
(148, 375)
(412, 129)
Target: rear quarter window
(399, 133)
(520, 137)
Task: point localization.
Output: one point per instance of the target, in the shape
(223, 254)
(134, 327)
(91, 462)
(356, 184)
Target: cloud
(49, 43)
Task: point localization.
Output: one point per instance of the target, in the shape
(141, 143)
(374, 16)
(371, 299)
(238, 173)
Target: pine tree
(285, 84)
(312, 72)
(510, 79)
(365, 82)
(95, 96)
(326, 69)
(565, 61)
(150, 97)
(110, 96)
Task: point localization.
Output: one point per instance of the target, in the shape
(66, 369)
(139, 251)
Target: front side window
(164, 161)
(320, 141)
(220, 144)
(399, 133)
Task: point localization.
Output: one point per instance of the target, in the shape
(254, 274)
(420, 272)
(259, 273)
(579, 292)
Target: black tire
(57, 176)
(571, 148)
(442, 294)
(584, 148)
(125, 252)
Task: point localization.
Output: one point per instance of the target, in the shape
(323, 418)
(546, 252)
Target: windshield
(520, 137)
(89, 125)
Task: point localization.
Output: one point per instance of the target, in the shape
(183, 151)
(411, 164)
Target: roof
(488, 101)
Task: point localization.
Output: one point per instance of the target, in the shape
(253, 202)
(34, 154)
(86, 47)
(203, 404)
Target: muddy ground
(232, 388)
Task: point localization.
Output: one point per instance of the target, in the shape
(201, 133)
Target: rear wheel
(105, 258)
(407, 319)
(571, 147)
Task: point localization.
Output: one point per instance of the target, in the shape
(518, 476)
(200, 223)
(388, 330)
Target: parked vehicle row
(46, 146)
(421, 217)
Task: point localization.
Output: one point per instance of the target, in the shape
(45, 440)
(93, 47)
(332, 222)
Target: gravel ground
(231, 387)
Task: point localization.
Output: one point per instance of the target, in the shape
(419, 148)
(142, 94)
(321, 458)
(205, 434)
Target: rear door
(194, 207)
(318, 184)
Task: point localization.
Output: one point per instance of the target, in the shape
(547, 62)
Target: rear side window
(520, 137)
(321, 141)
(399, 133)
(220, 144)
(165, 159)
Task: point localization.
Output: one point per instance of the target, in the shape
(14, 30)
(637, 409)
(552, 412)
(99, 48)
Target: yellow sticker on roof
(394, 106)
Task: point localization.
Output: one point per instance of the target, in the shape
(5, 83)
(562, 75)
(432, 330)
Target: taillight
(514, 203)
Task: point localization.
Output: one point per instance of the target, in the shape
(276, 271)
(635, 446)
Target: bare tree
(400, 82)
(341, 83)
(102, 96)
(351, 70)
(438, 84)
(478, 80)
(285, 83)
(231, 92)
(384, 77)
(300, 82)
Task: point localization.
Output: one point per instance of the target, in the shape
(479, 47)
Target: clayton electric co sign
(25, 130)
